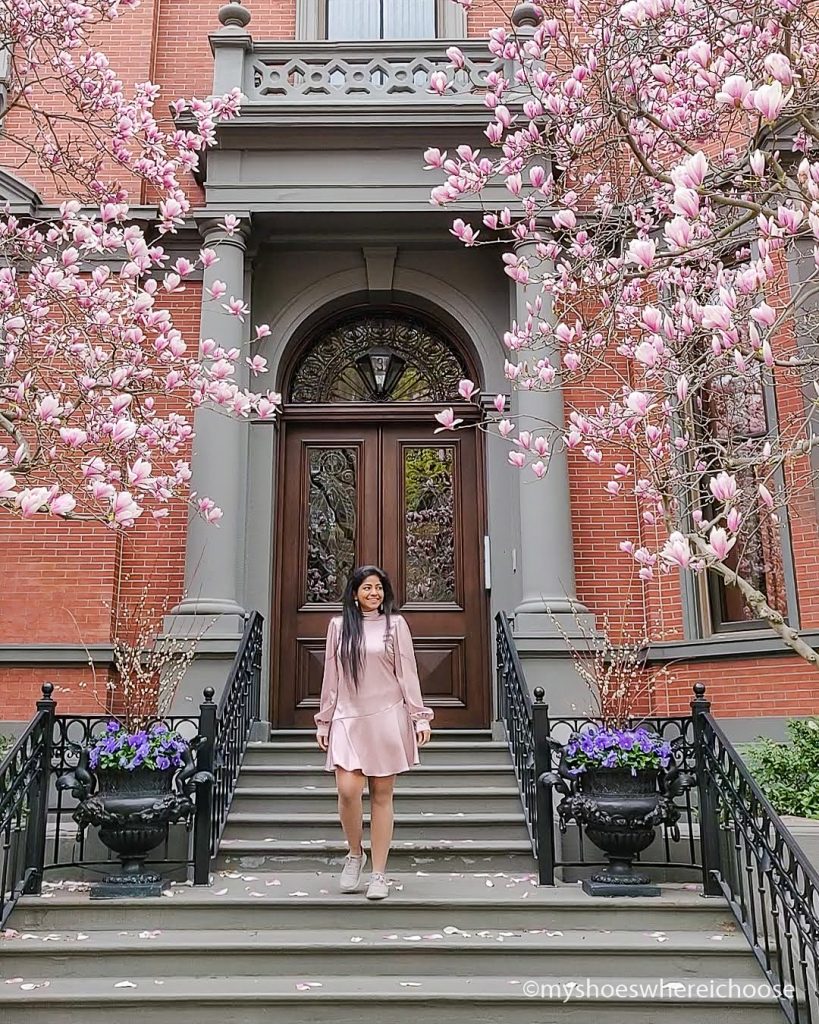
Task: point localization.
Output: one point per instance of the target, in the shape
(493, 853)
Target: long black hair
(352, 632)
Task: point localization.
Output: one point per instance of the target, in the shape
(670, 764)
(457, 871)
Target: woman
(371, 718)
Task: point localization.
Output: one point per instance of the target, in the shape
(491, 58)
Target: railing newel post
(38, 814)
(204, 790)
(544, 798)
(709, 819)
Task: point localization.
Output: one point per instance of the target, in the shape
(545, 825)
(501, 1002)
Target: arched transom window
(385, 357)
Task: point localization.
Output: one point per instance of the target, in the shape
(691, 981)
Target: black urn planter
(620, 811)
(132, 811)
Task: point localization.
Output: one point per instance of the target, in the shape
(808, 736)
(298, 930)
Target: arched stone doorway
(364, 479)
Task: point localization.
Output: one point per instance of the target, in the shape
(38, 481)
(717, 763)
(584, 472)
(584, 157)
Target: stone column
(214, 559)
(546, 562)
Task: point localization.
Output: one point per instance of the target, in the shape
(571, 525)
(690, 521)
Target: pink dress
(372, 728)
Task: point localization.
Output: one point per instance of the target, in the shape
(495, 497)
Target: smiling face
(370, 594)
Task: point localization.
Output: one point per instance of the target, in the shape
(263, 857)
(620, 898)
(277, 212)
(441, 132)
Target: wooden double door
(391, 493)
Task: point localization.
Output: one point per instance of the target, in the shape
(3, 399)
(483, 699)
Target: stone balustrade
(358, 73)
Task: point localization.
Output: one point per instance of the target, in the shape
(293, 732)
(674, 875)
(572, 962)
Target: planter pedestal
(592, 888)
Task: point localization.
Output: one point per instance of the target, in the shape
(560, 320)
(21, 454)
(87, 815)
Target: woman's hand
(323, 740)
(423, 735)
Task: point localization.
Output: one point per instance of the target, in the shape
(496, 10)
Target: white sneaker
(378, 888)
(351, 872)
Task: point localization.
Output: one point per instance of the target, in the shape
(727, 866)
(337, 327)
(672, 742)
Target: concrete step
(309, 735)
(379, 951)
(418, 900)
(437, 752)
(450, 777)
(322, 999)
(430, 825)
(408, 800)
(439, 854)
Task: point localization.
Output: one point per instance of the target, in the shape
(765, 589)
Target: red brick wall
(75, 689)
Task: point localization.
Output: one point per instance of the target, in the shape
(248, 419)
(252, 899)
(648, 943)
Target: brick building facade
(340, 251)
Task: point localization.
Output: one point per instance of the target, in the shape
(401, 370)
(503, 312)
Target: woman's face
(370, 594)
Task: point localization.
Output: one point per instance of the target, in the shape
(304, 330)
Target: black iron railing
(730, 834)
(752, 860)
(23, 806)
(226, 731)
(526, 721)
(529, 726)
(37, 831)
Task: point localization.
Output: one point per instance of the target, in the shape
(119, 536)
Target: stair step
(438, 752)
(428, 826)
(450, 777)
(418, 899)
(408, 799)
(405, 854)
(375, 951)
(308, 735)
(361, 998)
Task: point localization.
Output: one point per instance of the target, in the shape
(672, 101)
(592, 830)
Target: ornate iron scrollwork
(378, 358)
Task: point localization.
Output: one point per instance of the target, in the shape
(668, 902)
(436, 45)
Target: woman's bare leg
(350, 788)
(381, 819)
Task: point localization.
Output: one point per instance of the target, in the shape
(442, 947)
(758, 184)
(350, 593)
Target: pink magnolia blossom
(719, 543)
(31, 500)
(62, 505)
(7, 484)
(724, 487)
(638, 402)
(438, 82)
(124, 510)
(677, 551)
(768, 100)
(447, 420)
(735, 91)
(642, 252)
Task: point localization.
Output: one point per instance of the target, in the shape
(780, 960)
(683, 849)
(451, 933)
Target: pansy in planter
(600, 747)
(157, 748)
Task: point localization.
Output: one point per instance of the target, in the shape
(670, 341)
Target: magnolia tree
(97, 383)
(659, 160)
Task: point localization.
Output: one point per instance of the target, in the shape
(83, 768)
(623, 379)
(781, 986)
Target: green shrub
(788, 773)
(5, 746)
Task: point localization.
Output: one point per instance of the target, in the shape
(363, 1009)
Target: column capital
(213, 231)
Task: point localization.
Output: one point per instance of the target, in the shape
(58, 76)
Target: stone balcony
(366, 84)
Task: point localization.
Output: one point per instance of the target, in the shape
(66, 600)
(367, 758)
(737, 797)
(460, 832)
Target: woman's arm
(406, 672)
(329, 683)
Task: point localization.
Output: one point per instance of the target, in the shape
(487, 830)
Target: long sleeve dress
(372, 727)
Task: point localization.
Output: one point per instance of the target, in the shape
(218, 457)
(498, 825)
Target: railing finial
(47, 689)
(208, 694)
(539, 693)
(234, 16)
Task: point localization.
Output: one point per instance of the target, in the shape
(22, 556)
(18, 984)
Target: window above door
(378, 357)
(356, 20)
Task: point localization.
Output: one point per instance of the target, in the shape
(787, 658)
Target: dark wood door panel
(391, 494)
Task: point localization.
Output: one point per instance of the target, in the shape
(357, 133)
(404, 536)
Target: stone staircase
(466, 935)
(458, 810)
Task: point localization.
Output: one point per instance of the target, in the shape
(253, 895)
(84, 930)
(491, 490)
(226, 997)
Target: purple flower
(162, 762)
